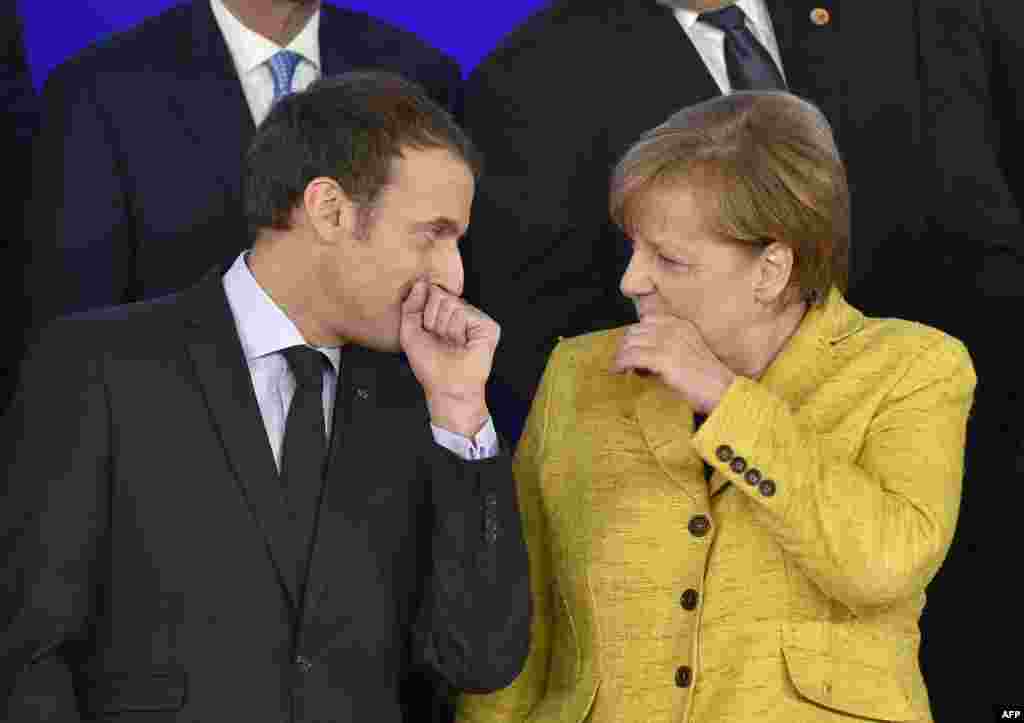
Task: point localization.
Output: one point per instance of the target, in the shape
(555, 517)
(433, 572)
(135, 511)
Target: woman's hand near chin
(674, 350)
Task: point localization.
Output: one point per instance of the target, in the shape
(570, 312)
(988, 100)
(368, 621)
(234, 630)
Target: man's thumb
(416, 301)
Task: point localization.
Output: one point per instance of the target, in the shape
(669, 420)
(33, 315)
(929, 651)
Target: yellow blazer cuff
(739, 439)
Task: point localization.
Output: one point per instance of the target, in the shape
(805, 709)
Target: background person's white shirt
(251, 51)
(710, 41)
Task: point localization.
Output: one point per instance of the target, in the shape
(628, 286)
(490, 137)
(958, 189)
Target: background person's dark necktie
(749, 63)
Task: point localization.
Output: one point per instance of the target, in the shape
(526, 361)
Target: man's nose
(448, 271)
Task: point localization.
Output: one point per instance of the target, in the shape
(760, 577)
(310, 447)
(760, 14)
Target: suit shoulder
(925, 350)
(568, 30)
(377, 35)
(155, 39)
(107, 329)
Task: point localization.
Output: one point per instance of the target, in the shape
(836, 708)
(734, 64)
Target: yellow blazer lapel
(666, 421)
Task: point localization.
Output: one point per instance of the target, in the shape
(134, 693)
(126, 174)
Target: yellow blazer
(846, 501)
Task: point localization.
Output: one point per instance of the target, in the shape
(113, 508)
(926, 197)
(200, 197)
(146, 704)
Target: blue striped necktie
(282, 67)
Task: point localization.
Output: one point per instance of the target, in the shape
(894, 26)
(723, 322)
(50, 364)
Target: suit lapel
(346, 507)
(659, 49)
(814, 56)
(210, 103)
(667, 425)
(216, 352)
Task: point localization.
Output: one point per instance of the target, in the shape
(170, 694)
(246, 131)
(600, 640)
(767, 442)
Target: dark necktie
(304, 450)
(749, 64)
(305, 436)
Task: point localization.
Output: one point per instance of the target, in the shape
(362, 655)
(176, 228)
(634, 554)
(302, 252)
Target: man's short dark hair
(350, 128)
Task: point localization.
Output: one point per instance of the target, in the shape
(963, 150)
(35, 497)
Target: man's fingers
(434, 300)
(446, 308)
(456, 328)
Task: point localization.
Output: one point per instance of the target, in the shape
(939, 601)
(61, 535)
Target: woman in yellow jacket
(770, 563)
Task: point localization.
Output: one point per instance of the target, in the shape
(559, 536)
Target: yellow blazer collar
(807, 359)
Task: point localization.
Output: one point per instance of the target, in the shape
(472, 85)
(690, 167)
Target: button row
(738, 465)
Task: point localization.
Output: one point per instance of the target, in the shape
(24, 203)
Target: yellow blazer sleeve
(515, 702)
(868, 531)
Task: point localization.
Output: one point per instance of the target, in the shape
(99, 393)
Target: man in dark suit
(162, 557)
(140, 156)
(17, 126)
(937, 234)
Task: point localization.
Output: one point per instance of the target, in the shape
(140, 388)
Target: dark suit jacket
(147, 551)
(936, 231)
(141, 155)
(559, 101)
(18, 121)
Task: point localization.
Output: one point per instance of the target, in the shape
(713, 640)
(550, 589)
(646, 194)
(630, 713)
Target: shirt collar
(263, 327)
(754, 10)
(250, 50)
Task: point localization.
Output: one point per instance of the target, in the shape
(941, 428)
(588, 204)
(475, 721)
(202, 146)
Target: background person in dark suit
(140, 156)
(166, 558)
(18, 122)
(937, 232)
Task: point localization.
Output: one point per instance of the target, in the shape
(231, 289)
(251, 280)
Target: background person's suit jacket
(140, 161)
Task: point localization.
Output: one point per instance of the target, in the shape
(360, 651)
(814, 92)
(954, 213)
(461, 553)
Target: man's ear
(775, 269)
(329, 209)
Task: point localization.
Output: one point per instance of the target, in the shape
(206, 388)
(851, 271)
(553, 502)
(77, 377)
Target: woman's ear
(775, 269)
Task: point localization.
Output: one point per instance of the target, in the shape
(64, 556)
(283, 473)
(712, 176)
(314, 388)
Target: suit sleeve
(472, 629)
(54, 440)
(870, 532)
(79, 228)
(516, 702)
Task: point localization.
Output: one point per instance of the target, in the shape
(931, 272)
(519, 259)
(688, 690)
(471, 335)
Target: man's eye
(667, 260)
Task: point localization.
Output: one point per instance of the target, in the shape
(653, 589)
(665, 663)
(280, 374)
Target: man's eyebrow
(442, 225)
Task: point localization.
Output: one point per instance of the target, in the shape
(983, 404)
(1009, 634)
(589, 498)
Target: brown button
(724, 453)
(767, 487)
(683, 676)
(821, 16)
(753, 476)
(699, 525)
(738, 465)
(688, 599)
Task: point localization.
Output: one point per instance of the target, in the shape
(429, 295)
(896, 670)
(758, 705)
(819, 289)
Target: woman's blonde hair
(767, 165)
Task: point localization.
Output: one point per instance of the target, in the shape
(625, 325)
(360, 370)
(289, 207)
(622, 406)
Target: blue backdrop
(465, 29)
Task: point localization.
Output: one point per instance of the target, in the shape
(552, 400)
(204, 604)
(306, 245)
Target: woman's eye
(667, 260)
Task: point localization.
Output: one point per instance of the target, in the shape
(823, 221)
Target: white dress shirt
(251, 53)
(710, 41)
(265, 330)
